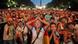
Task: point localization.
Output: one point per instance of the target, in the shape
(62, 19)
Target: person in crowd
(47, 36)
(37, 30)
(19, 32)
(75, 35)
(25, 32)
(39, 26)
(8, 32)
(67, 33)
(54, 35)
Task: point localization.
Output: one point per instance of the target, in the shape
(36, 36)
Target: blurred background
(72, 4)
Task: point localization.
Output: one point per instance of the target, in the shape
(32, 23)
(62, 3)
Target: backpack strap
(37, 36)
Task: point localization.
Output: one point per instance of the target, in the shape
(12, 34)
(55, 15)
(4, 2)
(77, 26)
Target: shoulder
(17, 27)
(6, 25)
(33, 29)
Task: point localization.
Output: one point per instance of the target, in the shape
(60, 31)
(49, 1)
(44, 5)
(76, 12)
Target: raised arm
(29, 22)
(46, 23)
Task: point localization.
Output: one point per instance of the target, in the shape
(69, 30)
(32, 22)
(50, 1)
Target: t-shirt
(8, 32)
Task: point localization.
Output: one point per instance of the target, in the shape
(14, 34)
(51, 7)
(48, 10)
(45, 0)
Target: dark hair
(52, 18)
(76, 21)
(52, 24)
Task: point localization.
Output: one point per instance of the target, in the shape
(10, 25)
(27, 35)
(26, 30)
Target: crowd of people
(39, 26)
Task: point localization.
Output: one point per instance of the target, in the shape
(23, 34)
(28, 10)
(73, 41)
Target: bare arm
(28, 23)
(5, 32)
(46, 23)
(50, 36)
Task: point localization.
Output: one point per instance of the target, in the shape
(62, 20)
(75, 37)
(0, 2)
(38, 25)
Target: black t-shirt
(2, 30)
(52, 39)
(49, 32)
(29, 37)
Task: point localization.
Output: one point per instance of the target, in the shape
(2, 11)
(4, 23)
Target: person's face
(37, 24)
(71, 26)
(52, 20)
(64, 20)
(10, 21)
(20, 24)
(59, 25)
(53, 27)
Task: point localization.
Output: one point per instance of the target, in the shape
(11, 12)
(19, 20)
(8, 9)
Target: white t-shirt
(40, 37)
